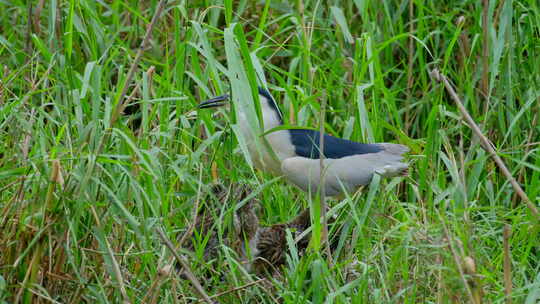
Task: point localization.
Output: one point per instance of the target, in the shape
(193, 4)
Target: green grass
(89, 234)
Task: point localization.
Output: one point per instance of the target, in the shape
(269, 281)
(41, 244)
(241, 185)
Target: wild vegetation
(104, 157)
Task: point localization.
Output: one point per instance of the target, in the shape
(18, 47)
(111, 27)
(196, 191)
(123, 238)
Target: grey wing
(394, 149)
(389, 162)
(347, 173)
(305, 173)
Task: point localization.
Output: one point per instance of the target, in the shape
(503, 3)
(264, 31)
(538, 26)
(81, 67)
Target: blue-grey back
(306, 144)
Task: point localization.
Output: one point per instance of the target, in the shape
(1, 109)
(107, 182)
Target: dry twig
(410, 65)
(237, 288)
(485, 142)
(457, 260)
(187, 269)
(120, 105)
(485, 53)
(138, 56)
(507, 264)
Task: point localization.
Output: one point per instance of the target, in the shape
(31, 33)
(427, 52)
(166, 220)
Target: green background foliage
(83, 191)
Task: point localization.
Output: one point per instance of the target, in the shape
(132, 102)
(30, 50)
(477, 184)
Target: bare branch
(185, 265)
(485, 142)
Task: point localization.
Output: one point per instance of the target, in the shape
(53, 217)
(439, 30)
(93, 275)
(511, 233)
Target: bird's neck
(271, 119)
(277, 141)
(270, 115)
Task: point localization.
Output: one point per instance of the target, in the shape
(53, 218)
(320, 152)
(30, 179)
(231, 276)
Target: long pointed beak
(214, 102)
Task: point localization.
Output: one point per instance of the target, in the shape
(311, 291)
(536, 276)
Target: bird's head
(269, 107)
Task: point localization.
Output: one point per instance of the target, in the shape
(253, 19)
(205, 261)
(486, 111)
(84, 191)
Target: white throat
(278, 140)
(271, 118)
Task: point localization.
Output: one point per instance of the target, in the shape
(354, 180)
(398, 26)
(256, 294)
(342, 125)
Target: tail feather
(393, 170)
(394, 155)
(395, 149)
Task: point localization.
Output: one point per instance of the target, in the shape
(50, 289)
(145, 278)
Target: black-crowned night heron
(295, 152)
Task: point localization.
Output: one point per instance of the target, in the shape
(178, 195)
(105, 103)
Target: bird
(263, 249)
(294, 153)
